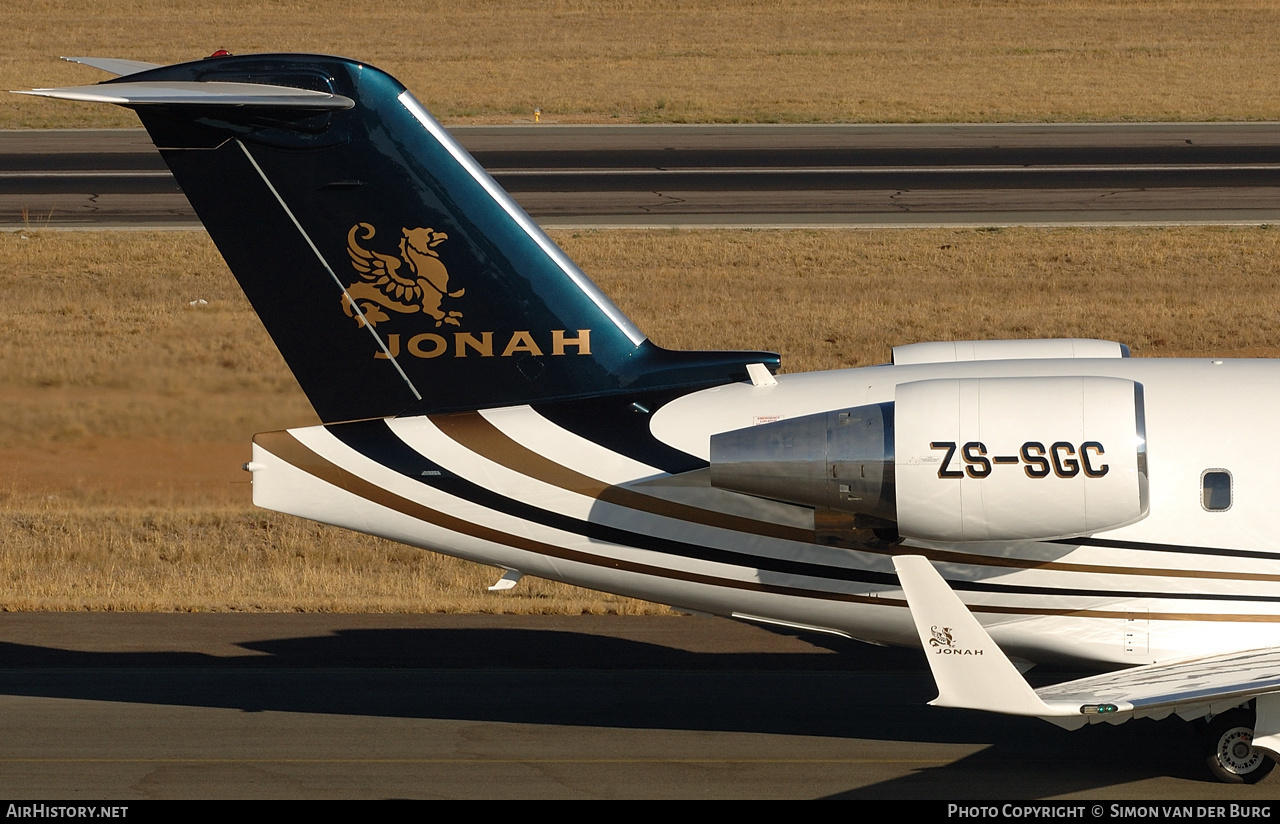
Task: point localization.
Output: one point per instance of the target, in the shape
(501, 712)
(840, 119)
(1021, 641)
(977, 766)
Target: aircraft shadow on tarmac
(569, 678)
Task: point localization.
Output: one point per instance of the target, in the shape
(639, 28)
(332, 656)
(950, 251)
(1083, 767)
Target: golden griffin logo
(944, 643)
(416, 281)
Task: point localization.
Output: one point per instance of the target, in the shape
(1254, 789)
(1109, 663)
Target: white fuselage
(511, 488)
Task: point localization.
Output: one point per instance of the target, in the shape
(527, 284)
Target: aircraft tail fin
(393, 273)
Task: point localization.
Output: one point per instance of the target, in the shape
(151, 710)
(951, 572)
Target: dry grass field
(128, 410)
(704, 60)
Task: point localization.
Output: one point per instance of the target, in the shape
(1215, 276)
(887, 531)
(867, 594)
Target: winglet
(971, 671)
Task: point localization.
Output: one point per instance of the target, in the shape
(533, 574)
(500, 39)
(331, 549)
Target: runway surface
(136, 706)
(858, 175)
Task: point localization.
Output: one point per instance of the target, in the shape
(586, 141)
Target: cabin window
(1215, 490)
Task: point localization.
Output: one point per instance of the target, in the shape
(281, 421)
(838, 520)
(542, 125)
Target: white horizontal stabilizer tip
(970, 670)
(115, 65)
(197, 93)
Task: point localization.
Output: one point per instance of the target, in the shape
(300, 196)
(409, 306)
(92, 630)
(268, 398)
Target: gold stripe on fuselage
(285, 446)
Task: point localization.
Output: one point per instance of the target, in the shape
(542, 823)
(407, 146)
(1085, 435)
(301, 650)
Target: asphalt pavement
(139, 706)
(757, 176)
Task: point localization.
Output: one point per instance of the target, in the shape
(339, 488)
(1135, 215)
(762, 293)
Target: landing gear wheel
(1229, 751)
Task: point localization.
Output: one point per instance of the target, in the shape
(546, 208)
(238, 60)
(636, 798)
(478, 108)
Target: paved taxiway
(855, 175)
(180, 706)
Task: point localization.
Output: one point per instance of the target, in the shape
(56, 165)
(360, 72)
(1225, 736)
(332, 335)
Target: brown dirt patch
(133, 470)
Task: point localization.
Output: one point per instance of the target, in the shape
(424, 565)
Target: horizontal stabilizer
(191, 93)
(114, 65)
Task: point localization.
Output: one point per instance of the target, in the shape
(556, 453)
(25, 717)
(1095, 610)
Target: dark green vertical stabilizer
(392, 272)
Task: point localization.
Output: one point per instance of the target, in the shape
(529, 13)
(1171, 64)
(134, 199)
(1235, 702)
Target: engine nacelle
(970, 459)
(951, 351)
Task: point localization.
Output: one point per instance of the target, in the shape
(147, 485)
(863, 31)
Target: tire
(1229, 751)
